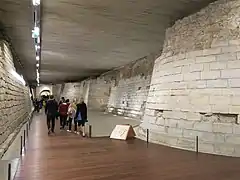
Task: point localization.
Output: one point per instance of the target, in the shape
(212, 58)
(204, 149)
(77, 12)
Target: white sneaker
(68, 131)
(78, 133)
(75, 131)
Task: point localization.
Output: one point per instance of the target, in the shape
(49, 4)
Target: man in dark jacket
(81, 116)
(51, 112)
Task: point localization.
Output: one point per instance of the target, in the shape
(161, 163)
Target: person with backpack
(63, 110)
(68, 103)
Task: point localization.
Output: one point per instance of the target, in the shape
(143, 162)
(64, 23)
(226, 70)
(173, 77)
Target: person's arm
(77, 112)
(59, 107)
(46, 108)
(56, 105)
(69, 109)
(86, 111)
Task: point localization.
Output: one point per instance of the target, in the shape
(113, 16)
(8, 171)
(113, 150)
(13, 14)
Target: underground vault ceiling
(85, 38)
(17, 22)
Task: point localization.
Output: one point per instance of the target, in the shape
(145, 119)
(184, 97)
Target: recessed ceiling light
(36, 32)
(36, 2)
(37, 47)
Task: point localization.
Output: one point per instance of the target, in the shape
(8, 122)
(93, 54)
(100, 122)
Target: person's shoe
(84, 135)
(68, 131)
(49, 132)
(78, 133)
(75, 131)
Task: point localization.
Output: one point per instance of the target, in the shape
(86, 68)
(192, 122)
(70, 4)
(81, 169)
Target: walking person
(71, 114)
(61, 101)
(36, 105)
(63, 110)
(51, 111)
(68, 104)
(81, 117)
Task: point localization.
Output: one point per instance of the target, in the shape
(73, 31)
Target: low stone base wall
(6, 144)
(226, 145)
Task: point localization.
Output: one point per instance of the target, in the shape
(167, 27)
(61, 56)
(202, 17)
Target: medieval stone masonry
(15, 104)
(195, 86)
(122, 91)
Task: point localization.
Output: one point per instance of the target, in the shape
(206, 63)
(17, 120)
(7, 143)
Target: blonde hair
(78, 100)
(73, 105)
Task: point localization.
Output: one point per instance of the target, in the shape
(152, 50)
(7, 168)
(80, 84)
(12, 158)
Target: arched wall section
(45, 93)
(42, 88)
(195, 86)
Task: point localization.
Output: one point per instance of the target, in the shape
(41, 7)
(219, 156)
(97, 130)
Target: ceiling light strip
(36, 35)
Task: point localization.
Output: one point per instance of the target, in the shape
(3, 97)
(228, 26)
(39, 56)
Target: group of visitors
(74, 113)
(39, 103)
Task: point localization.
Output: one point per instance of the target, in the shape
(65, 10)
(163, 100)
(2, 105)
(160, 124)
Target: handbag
(57, 114)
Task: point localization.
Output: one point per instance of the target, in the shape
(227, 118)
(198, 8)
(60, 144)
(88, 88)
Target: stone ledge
(189, 144)
(6, 144)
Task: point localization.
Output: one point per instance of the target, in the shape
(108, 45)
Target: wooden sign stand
(123, 132)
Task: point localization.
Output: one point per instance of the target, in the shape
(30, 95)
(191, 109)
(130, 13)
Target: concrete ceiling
(81, 38)
(17, 19)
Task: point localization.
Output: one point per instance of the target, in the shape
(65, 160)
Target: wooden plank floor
(67, 156)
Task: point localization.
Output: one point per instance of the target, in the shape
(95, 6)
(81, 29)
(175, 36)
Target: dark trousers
(78, 123)
(70, 123)
(75, 125)
(51, 122)
(63, 120)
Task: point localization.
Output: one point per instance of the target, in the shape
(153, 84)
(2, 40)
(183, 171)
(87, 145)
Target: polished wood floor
(66, 156)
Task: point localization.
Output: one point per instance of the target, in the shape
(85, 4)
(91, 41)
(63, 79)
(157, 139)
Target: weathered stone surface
(213, 27)
(14, 99)
(122, 91)
(203, 98)
(206, 147)
(224, 149)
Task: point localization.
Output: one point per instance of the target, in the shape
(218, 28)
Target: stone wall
(195, 87)
(57, 91)
(122, 91)
(129, 97)
(15, 104)
(72, 91)
(220, 21)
